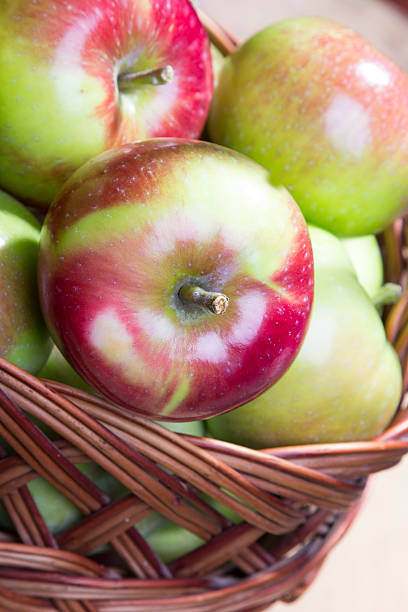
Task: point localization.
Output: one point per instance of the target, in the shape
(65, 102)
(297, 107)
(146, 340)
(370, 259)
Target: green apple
(217, 59)
(191, 428)
(326, 114)
(345, 383)
(24, 339)
(171, 541)
(365, 255)
(58, 369)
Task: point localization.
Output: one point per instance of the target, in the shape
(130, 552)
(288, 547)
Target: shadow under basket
(296, 502)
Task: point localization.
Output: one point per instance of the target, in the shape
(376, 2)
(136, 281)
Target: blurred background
(367, 571)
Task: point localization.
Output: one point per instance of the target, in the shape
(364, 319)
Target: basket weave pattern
(306, 495)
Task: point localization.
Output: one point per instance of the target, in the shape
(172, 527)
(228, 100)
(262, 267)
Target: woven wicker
(308, 495)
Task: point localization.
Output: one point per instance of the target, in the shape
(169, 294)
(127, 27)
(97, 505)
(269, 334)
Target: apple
(170, 541)
(174, 278)
(326, 114)
(217, 60)
(24, 339)
(78, 78)
(190, 428)
(345, 383)
(365, 255)
(58, 369)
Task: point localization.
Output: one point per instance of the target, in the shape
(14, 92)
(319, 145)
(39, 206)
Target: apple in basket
(78, 78)
(365, 255)
(326, 114)
(57, 369)
(345, 383)
(24, 339)
(174, 278)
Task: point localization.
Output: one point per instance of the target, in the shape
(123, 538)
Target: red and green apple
(174, 278)
(78, 78)
(327, 114)
(24, 339)
(345, 383)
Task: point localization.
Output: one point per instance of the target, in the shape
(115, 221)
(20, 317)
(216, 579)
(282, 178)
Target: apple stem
(153, 76)
(387, 294)
(215, 302)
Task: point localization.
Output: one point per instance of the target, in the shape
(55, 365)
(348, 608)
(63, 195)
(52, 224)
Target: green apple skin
(191, 428)
(170, 541)
(365, 255)
(217, 60)
(61, 98)
(326, 114)
(24, 339)
(345, 383)
(58, 369)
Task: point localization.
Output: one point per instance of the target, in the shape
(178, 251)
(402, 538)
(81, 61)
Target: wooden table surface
(368, 570)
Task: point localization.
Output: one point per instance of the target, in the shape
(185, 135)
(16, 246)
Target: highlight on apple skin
(126, 244)
(327, 114)
(78, 78)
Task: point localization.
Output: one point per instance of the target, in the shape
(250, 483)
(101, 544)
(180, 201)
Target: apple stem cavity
(215, 302)
(387, 294)
(153, 76)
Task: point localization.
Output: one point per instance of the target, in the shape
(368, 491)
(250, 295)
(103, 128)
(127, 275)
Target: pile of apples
(233, 277)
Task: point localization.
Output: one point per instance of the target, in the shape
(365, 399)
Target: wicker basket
(308, 495)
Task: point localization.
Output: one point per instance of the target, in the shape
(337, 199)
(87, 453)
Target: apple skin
(58, 369)
(170, 541)
(134, 225)
(345, 383)
(217, 61)
(190, 428)
(60, 101)
(365, 255)
(24, 339)
(326, 114)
